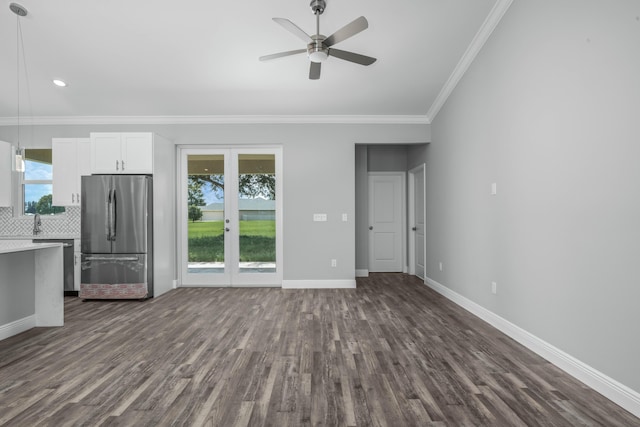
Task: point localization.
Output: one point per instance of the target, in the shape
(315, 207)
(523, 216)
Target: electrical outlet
(440, 265)
(334, 263)
(344, 217)
(494, 188)
(494, 288)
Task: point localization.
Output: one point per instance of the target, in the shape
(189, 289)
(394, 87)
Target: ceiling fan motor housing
(317, 6)
(316, 50)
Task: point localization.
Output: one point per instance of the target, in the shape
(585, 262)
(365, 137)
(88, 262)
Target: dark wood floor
(391, 352)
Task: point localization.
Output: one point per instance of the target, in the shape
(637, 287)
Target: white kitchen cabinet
(6, 156)
(122, 153)
(71, 159)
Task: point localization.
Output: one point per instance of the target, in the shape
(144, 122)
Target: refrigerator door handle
(114, 215)
(109, 213)
(112, 259)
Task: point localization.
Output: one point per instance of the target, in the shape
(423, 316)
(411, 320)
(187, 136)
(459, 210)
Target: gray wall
(319, 177)
(549, 110)
(17, 286)
(387, 158)
(362, 209)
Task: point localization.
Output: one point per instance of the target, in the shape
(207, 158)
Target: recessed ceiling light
(59, 83)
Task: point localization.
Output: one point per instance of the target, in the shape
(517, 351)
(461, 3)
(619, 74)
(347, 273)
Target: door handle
(413, 228)
(117, 163)
(226, 229)
(122, 163)
(73, 198)
(371, 227)
(108, 214)
(114, 215)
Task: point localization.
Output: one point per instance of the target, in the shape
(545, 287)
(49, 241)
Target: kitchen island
(31, 286)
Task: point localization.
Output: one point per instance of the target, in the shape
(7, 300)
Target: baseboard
(613, 390)
(18, 326)
(318, 284)
(362, 273)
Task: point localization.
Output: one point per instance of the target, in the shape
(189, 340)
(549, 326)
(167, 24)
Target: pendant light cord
(18, 33)
(20, 48)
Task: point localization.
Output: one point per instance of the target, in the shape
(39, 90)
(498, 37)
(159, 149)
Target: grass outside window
(257, 241)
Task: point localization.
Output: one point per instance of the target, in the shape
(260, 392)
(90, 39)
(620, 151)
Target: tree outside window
(37, 184)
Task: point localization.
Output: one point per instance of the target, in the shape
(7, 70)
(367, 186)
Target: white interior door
(417, 222)
(231, 216)
(386, 222)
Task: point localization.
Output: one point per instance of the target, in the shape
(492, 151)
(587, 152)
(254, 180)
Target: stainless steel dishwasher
(68, 268)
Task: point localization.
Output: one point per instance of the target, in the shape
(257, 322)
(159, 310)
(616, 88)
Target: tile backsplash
(67, 224)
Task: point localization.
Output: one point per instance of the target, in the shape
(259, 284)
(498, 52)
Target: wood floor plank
(390, 353)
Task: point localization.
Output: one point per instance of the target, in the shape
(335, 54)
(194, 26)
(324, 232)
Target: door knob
(371, 227)
(414, 228)
(226, 229)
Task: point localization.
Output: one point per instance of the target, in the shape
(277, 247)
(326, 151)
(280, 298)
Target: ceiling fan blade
(281, 54)
(294, 29)
(352, 57)
(347, 31)
(314, 70)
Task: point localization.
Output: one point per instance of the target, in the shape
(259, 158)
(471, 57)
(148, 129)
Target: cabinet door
(83, 164)
(65, 176)
(6, 155)
(84, 158)
(137, 152)
(106, 155)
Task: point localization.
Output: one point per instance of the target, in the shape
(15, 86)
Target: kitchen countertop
(11, 246)
(41, 237)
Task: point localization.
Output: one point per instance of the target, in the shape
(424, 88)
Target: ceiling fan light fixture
(318, 55)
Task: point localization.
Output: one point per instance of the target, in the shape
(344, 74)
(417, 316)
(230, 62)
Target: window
(36, 184)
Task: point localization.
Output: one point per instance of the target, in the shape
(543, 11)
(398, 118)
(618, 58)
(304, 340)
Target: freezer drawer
(116, 276)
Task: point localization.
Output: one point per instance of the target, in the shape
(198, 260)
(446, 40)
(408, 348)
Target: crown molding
(483, 34)
(222, 119)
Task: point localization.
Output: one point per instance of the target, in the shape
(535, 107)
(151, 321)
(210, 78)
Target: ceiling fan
(320, 47)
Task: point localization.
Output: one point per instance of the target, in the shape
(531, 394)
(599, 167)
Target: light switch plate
(494, 188)
(344, 217)
(319, 217)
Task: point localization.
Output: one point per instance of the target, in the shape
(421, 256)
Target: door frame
(403, 215)
(248, 280)
(412, 217)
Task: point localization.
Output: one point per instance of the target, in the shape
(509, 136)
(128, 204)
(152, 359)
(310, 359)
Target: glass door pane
(256, 213)
(205, 214)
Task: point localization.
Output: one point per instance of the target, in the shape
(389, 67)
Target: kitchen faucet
(37, 223)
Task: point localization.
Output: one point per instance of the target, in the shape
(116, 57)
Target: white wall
(319, 177)
(550, 111)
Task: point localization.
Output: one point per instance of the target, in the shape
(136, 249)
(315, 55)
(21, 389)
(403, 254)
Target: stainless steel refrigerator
(117, 237)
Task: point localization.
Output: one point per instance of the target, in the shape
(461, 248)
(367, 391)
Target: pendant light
(19, 11)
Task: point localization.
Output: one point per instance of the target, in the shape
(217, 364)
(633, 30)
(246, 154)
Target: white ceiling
(199, 59)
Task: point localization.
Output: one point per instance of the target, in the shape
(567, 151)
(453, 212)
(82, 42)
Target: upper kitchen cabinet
(6, 153)
(71, 159)
(122, 153)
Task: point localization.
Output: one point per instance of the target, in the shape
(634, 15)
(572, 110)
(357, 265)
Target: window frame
(19, 191)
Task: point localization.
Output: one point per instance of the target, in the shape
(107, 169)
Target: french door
(231, 216)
